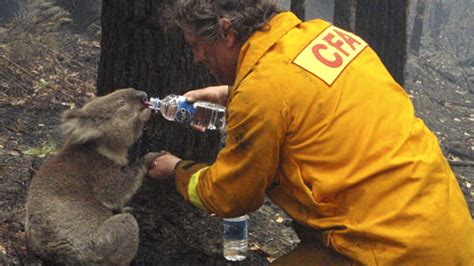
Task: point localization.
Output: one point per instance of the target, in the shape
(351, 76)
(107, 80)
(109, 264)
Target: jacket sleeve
(244, 169)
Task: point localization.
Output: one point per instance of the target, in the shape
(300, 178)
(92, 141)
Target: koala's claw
(150, 157)
(126, 209)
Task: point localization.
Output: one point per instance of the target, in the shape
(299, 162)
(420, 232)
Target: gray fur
(71, 201)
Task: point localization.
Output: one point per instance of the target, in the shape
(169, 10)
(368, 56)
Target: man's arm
(237, 181)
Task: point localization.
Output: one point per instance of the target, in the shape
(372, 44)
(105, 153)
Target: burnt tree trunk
(382, 23)
(345, 14)
(439, 18)
(298, 8)
(136, 52)
(417, 31)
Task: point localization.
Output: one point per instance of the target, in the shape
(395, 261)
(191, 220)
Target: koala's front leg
(115, 190)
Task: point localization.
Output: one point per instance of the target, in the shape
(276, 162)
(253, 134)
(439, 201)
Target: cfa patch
(330, 53)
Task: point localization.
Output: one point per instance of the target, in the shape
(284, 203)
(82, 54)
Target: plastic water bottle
(236, 238)
(204, 115)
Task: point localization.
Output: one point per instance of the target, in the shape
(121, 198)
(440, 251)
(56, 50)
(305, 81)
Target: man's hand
(162, 168)
(213, 94)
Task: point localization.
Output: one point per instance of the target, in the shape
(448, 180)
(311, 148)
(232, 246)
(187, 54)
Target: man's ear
(228, 35)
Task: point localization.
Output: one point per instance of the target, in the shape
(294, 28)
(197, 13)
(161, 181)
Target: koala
(75, 204)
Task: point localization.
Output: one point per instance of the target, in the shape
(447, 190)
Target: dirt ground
(439, 83)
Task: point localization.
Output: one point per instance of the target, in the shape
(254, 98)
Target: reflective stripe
(192, 186)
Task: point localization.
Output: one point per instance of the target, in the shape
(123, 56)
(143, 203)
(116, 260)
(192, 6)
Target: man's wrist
(176, 166)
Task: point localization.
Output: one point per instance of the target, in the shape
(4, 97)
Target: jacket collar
(261, 41)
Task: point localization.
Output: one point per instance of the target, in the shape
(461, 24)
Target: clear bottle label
(208, 116)
(184, 111)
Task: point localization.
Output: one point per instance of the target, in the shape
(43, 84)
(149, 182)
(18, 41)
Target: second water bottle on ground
(236, 238)
(204, 115)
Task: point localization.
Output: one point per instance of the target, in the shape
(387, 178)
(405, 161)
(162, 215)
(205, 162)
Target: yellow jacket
(316, 122)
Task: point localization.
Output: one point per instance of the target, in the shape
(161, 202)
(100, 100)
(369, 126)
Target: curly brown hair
(204, 17)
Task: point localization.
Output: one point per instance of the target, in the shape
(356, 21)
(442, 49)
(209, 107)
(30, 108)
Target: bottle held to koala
(204, 115)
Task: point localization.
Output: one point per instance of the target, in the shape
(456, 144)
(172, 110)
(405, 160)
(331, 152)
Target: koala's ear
(90, 96)
(79, 127)
(73, 113)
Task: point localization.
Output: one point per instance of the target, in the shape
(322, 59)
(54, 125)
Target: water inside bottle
(235, 250)
(208, 116)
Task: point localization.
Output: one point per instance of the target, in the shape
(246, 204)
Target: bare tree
(440, 17)
(382, 24)
(417, 31)
(345, 14)
(136, 52)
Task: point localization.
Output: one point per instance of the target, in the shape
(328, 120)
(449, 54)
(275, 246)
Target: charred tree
(417, 31)
(137, 52)
(298, 8)
(439, 18)
(382, 24)
(345, 14)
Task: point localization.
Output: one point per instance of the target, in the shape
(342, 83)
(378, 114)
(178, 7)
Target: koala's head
(115, 120)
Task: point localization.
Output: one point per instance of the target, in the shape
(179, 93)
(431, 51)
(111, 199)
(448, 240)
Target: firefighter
(317, 123)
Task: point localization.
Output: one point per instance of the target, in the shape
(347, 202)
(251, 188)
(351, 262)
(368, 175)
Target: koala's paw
(148, 158)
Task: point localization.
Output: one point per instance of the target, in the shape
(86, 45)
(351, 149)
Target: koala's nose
(142, 95)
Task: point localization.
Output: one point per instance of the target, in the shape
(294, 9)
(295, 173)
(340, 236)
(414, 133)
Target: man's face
(219, 57)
